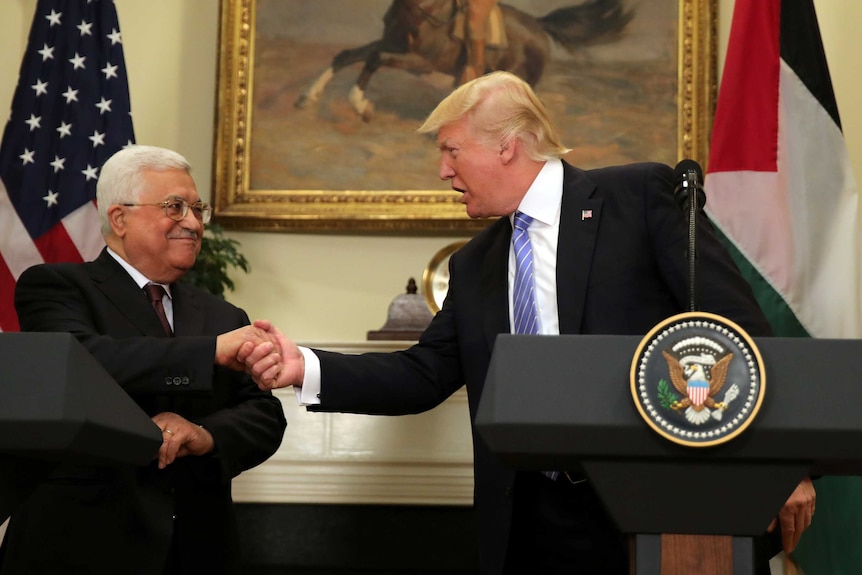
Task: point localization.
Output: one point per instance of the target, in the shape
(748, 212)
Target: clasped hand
(262, 351)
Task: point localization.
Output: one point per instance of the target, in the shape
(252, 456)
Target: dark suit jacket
(122, 519)
(620, 271)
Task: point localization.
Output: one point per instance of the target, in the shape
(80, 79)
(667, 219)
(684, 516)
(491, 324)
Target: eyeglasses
(176, 208)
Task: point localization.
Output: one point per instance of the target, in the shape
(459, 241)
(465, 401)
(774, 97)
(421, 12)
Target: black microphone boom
(688, 182)
(687, 177)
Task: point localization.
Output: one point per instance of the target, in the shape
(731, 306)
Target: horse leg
(360, 103)
(342, 59)
(412, 63)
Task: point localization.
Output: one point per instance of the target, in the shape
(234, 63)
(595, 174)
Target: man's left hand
(795, 516)
(181, 437)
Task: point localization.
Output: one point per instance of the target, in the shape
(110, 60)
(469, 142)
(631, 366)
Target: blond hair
(500, 106)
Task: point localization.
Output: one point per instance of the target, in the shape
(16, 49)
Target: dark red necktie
(156, 292)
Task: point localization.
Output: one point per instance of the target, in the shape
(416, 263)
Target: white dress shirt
(542, 203)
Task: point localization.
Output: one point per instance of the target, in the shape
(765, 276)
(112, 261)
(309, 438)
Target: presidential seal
(697, 379)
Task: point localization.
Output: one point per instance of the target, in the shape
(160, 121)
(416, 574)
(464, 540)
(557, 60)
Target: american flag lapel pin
(586, 214)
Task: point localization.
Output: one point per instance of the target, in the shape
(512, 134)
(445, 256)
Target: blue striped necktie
(523, 293)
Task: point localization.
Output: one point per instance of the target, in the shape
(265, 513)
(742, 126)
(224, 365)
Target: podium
(564, 402)
(58, 405)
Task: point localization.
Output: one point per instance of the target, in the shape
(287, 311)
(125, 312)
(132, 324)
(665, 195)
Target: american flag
(69, 114)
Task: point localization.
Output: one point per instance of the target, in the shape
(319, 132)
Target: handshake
(262, 351)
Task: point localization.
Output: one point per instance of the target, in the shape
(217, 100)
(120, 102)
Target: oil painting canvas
(337, 89)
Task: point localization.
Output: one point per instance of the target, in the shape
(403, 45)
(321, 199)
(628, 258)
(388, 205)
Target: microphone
(687, 177)
(688, 184)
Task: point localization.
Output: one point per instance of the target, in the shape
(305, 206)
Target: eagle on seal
(689, 376)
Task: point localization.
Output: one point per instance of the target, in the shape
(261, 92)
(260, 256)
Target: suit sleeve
(397, 383)
(51, 299)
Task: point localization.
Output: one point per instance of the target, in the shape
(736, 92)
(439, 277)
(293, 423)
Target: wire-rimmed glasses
(176, 208)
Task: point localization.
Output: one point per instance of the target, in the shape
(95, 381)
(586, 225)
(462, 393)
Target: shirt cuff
(309, 393)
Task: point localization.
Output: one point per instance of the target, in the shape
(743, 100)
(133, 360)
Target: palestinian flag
(780, 188)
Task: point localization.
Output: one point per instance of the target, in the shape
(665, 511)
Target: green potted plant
(218, 253)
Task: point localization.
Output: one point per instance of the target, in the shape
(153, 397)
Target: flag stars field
(77, 62)
(110, 71)
(34, 122)
(51, 198)
(58, 164)
(70, 95)
(54, 18)
(97, 139)
(90, 172)
(70, 113)
(46, 52)
(40, 87)
(85, 28)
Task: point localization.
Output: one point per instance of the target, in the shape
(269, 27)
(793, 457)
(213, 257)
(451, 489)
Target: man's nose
(446, 171)
(190, 221)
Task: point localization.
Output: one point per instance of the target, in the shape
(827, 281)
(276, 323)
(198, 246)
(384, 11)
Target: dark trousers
(562, 528)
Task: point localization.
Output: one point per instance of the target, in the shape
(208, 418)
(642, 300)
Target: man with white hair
(172, 347)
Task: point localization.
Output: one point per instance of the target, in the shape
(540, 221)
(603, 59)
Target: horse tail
(591, 22)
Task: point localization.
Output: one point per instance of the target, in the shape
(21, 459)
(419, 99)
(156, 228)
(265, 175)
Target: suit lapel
(580, 215)
(120, 289)
(495, 283)
(189, 317)
(494, 289)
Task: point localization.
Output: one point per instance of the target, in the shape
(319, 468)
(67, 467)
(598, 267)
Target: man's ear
(508, 150)
(117, 219)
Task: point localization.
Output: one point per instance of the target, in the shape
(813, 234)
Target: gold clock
(435, 278)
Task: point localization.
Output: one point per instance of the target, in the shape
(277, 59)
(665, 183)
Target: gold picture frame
(254, 113)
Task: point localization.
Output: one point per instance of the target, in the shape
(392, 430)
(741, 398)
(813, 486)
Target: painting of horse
(607, 71)
(420, 37)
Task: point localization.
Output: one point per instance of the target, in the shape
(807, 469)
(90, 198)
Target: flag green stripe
(780, 316)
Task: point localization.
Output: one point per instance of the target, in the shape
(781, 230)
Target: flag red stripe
(8, 317)
(745, 131)
(57, 246)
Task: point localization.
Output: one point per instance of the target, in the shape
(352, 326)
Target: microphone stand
(690, 195)
(692, 249)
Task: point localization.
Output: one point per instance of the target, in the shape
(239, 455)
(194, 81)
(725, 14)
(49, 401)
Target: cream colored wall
(319, 287)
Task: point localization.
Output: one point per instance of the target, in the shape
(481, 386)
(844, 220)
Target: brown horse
(417, 38)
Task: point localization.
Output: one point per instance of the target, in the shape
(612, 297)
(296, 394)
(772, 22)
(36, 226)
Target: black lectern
(57, 404)
(585, 416)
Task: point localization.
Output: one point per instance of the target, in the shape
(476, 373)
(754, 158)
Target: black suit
(93, 519)
(621, 269)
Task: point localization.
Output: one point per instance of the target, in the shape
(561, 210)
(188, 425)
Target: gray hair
(121, 178)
